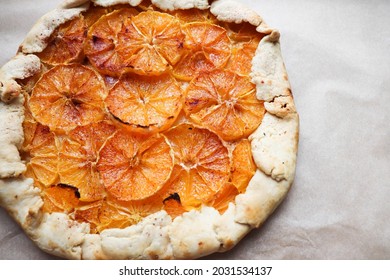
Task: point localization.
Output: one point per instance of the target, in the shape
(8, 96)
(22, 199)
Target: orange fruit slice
(60, 198)
(145, 44)
(201, 164)
(77, 159)
(242, 55)
(66, 43)
(90, 214)
(243, 165)
(223, 197)
(134, 167)
(145, 104)
(208, 47)
(93, 14)
(225, 103)
(245, 40)
(102, 42)
(105, 214)
(43, 165)
(68, 96)
(173, 206)
(195, 15)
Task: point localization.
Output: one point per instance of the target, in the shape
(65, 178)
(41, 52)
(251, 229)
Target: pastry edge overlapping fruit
(136, 110)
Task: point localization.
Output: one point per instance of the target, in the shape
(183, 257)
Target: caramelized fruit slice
(78, 156)
(201, 165)
(60, 198)
(225, 103)
(173, 206)
(145, 104)
(43, 165)
(151, 42)
(195, 15)
(145, 44)
(68, 96)
(245, 40)
(208, 47)
(66, 43)
(102, 42)
(134, 167)
(242, 55)
(243, 165)
(223, 197)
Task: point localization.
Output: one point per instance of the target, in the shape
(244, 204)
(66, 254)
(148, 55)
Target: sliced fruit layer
(243, 167)
(60, 198)
(201, 165)
(66, 43)
(145, 104)
(136, 110)
(122, 42)
(225, 103)
(207, 47)
(43, 165)
(134, 167)
(68, 96)
(77, 159)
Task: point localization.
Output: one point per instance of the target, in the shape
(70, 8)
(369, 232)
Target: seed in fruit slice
(77, 159)
(60, 198)
(134, 167)
(146, 43)
(145, 104)
(66, 43)
(202, 165)
(208, 47)
(43, 165)
(225, 103)
(68, 96)
(243, 167)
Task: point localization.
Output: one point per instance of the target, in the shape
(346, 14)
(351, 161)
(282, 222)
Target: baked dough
(193, 234)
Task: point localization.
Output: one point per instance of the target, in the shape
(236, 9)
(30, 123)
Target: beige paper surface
(338, 60)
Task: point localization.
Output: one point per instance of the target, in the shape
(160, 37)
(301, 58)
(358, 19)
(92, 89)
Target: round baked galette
(132, 129)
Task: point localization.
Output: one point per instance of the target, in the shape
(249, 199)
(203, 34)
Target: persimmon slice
(225, 103)
(223, 197)
(68, 96)
(208, 47)
(147, 43)
(195, 15)
(134, 167)
(43, 165)
(145, 104)
(66, 43)
(243, 167)
(78, 156)
(201, 164)
(60, 198)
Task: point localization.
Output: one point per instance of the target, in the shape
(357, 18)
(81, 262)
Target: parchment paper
(338, 60)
